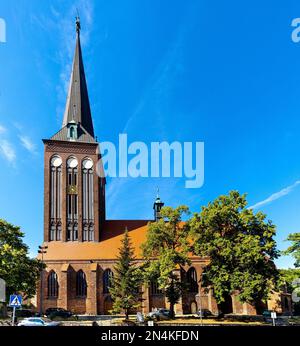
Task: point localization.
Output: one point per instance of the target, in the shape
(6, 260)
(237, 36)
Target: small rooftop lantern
(158, 204)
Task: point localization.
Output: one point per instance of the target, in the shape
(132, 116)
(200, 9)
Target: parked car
(38, 322)
(160, 314)
(58, 312)
(281, 321)
(204, 313)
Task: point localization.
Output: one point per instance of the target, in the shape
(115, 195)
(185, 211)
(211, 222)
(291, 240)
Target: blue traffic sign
(15, 300)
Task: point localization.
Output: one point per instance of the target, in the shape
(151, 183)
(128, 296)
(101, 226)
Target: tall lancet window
(88, 200)
(72, 199)
(55, 198)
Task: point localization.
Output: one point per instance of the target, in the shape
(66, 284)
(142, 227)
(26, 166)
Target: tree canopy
(241, 248)
(294, 249)
(18, 270)
(287, 277)
(165, 250)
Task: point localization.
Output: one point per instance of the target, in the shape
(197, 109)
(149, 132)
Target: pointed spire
(78, 106)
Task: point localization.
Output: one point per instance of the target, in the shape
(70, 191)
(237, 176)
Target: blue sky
(226, 73)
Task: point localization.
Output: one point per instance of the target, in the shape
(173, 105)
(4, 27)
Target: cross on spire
(78, 26)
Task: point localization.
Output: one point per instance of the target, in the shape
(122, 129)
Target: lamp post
(200, 299)
(42, 250)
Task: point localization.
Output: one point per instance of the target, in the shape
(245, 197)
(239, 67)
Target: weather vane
(78, 27)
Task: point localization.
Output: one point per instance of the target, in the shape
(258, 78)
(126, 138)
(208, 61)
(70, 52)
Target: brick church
(82, 245)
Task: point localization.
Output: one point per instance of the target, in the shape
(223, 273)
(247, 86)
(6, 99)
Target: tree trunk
(172, 313)
(127, 314)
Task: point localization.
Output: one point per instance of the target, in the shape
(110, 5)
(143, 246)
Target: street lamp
(42, 250)
(200, 299)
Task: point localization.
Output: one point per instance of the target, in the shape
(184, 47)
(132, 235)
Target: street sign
(15, 301)
(273, 314)
(2, 291)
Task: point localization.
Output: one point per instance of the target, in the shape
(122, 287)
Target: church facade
(81, 245)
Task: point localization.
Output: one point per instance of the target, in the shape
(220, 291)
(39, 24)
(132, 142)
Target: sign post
(15, 301)
(273, 316)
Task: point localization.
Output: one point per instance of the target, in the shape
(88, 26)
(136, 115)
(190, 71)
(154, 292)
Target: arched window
(52, 285)
(88, 199)
(191, 277)
(55, 198)
(107, 280)
(72, 132)
(72, 199)
(154, 288)
(81, 285)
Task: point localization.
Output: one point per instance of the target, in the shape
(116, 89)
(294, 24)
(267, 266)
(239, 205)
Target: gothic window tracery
(88, 200)
(72, 199)
(81, 285)
(191, 277)
(55, 198)
(107, 279)
(52, 285)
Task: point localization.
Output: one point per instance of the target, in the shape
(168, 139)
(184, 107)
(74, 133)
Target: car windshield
(36, 320)
(46, 320)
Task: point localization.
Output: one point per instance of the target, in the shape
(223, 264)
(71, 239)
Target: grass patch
(208, 321)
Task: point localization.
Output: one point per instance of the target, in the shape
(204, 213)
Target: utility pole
(42, 250)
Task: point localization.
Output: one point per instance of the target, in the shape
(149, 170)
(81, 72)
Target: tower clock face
(87, 164)
(56, 161)
(72, 163)
(72, 189)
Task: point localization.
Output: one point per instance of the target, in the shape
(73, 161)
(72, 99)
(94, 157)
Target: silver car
(38, 322)
(160, 314)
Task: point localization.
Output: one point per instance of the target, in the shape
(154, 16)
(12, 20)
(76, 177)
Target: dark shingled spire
(77, 111)
(78, 105)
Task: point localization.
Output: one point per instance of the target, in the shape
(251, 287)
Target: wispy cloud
(28, 144)
(7, 150)
(276, 195)
(10, 143)
(2, 129)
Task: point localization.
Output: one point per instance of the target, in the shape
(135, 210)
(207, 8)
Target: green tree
(294, 249)
(289, 278)
(127, 278)
(165, 250)
(241, 248)
(20, 272)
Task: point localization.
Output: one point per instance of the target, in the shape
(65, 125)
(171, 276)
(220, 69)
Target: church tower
(74, 198)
